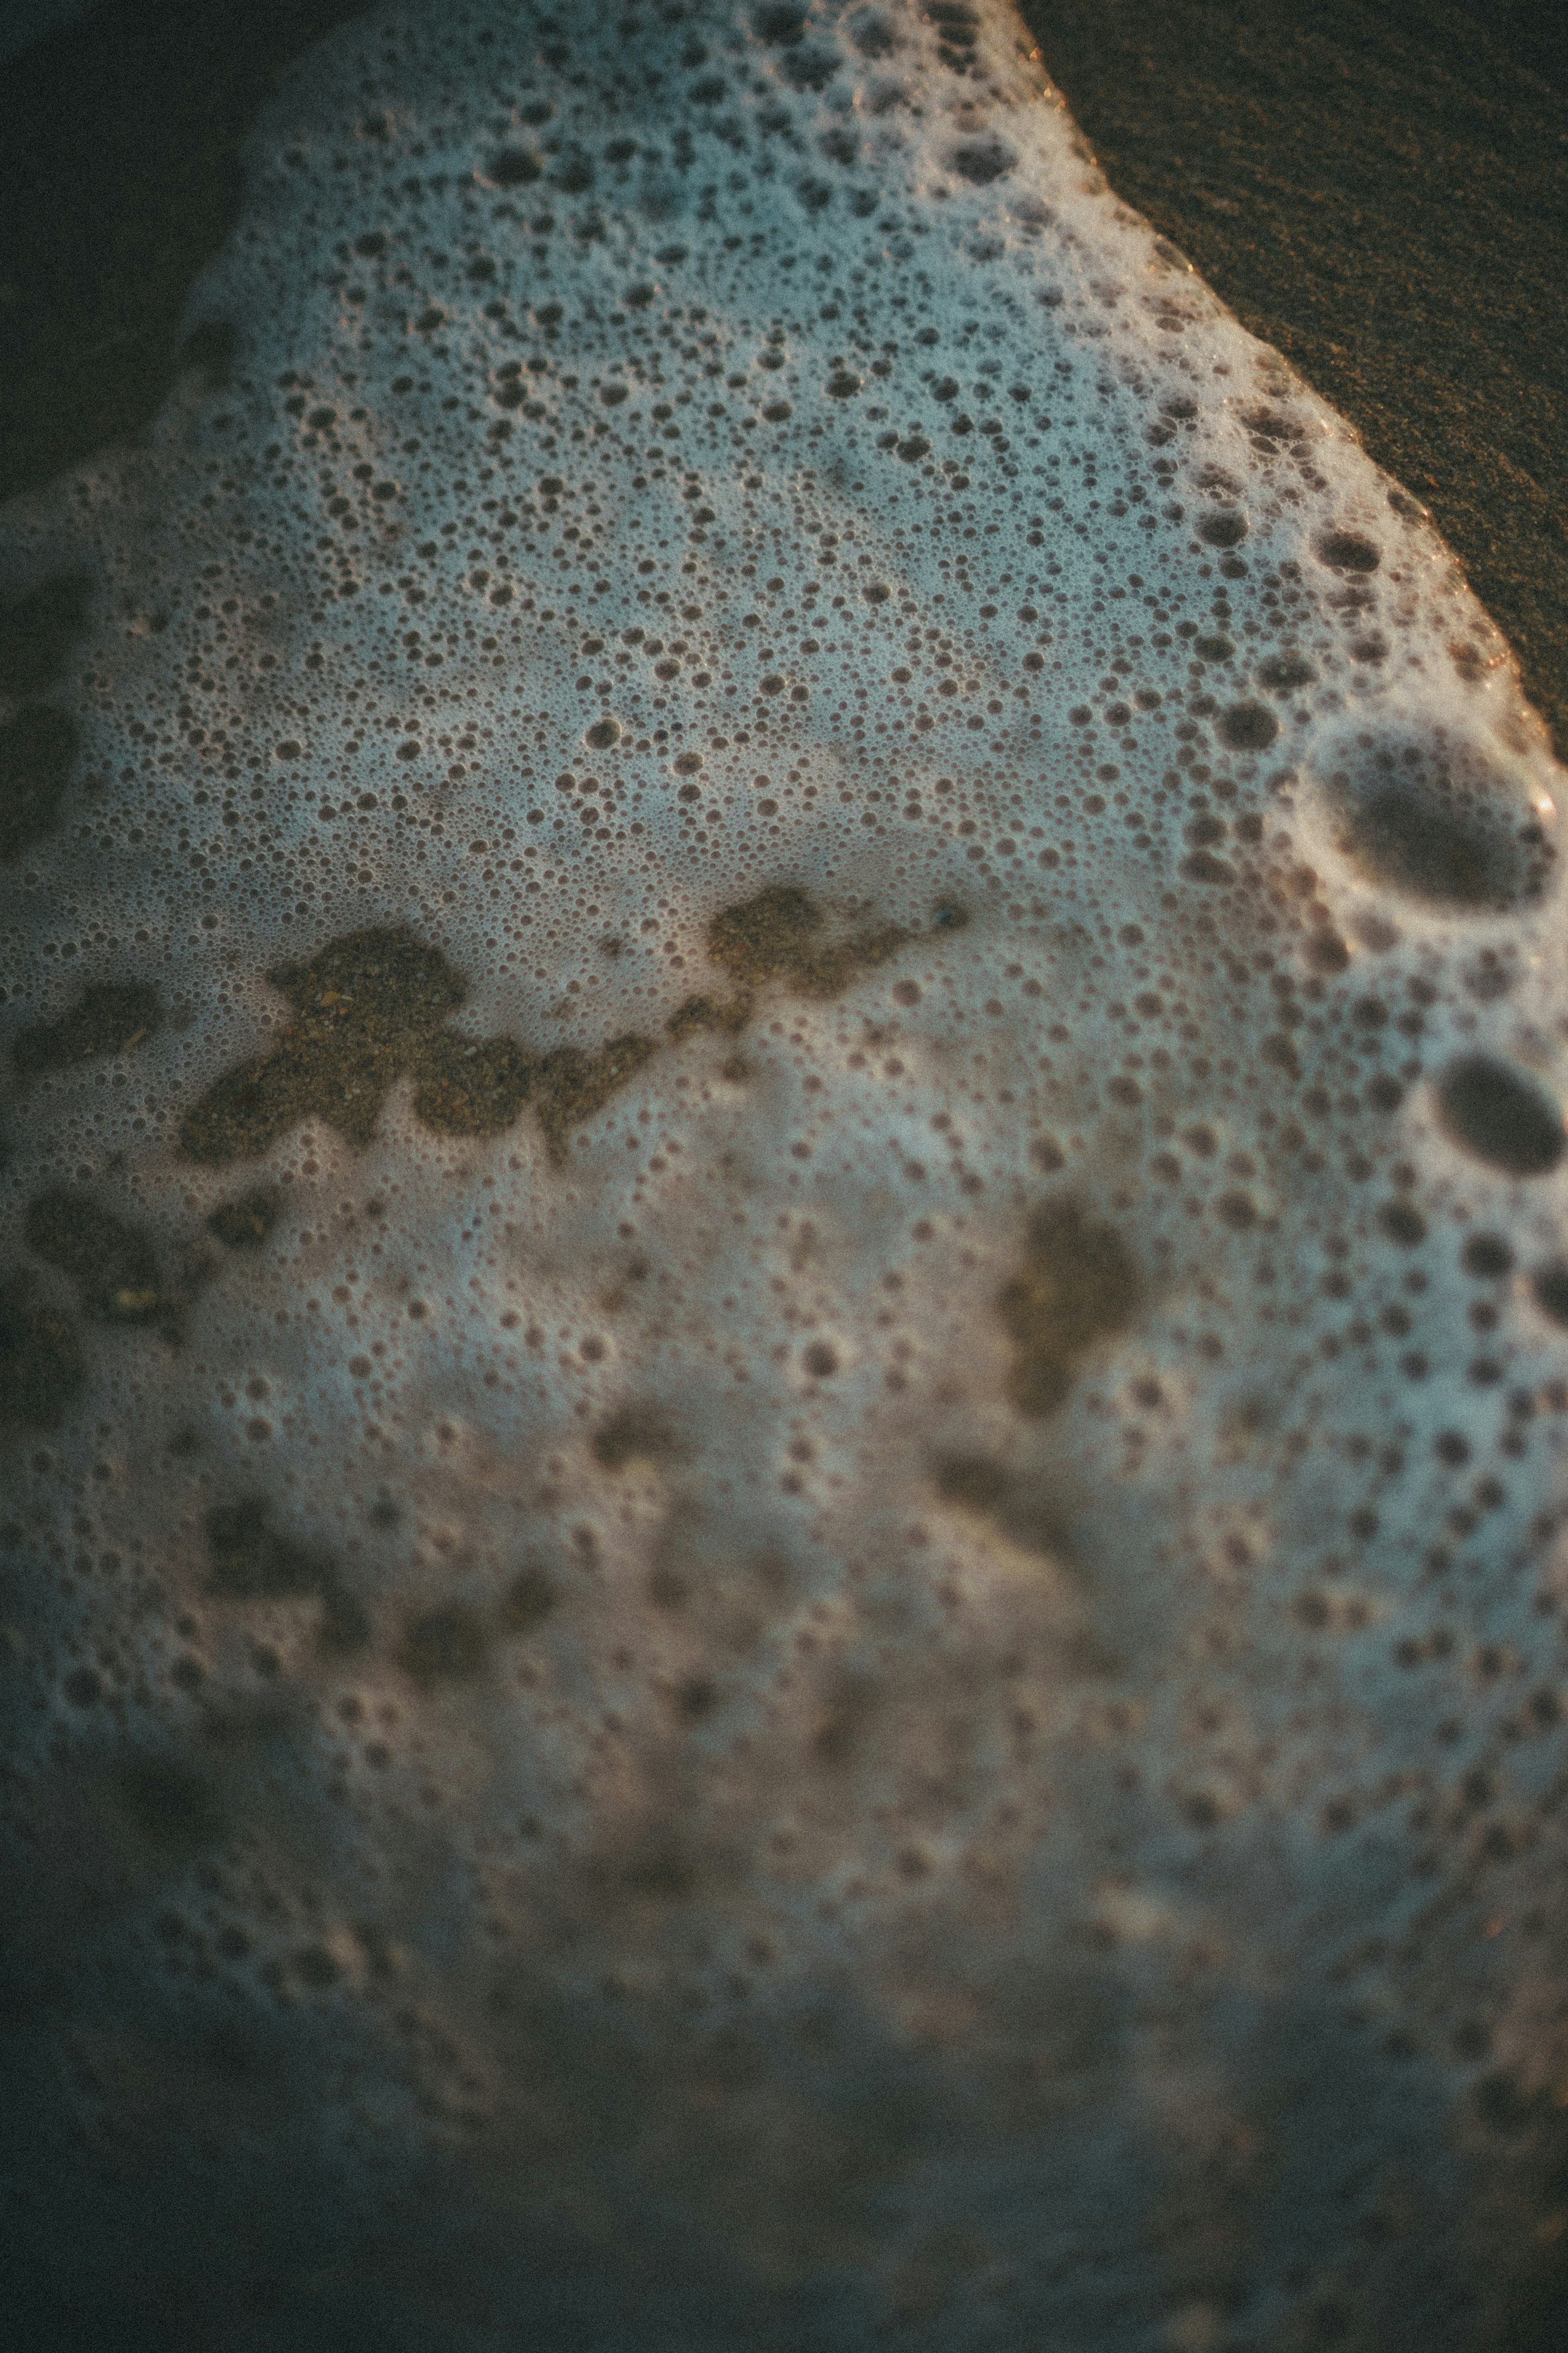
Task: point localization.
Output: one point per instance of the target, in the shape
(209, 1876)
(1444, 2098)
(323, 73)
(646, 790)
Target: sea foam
(782, 1343)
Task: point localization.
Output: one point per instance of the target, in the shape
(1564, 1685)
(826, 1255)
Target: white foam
(774, 1763)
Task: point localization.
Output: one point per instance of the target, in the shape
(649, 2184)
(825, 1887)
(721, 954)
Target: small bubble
(1282, 673)
(1550, 1287)
(513, 167)
(1247, 727)
(1348, 551)
(1402, 1224)
(980, 160)
(1501, 1118)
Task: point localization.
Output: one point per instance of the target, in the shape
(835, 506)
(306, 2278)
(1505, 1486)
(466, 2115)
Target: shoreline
(1381, 191)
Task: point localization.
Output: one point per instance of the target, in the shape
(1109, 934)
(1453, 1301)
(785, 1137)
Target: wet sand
(1379, 189)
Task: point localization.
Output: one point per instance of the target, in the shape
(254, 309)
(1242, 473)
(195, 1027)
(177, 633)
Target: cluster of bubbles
(782, 1338)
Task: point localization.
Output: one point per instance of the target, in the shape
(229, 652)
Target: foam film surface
(782, 1334)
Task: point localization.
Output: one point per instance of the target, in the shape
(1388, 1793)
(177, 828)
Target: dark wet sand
(1380, 188)
(120, 181)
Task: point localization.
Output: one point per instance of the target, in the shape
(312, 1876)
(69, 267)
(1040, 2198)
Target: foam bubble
(1446, 823)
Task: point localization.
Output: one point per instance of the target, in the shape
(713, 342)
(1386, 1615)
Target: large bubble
(1442, 821)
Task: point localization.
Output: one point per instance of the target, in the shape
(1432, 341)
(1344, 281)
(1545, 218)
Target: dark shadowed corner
(120, 137)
